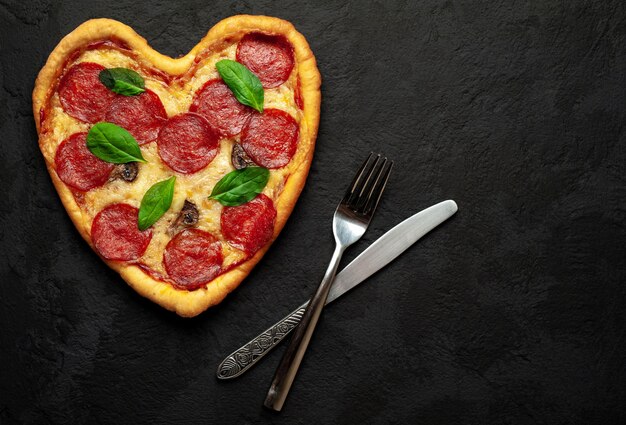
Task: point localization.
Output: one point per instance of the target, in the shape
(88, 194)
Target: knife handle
(249, 354)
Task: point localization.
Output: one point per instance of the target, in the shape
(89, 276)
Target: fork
(351, 219)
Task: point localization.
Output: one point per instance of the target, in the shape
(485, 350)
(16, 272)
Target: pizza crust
(187, 303)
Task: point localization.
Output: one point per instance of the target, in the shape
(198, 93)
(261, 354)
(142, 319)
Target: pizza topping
(218, 105)
(127, 172)
(112, 143)
(240, 158)
(156, 201)
(240, 186)
(193, 258)
(250, 226)
(188, 217)
(122, 81)
(187, 143)
(271, 138)
(270, 57)
(244, 84)
(79, 168)
(123, 115)
(82, 95)
(115, 234)
(143, 115)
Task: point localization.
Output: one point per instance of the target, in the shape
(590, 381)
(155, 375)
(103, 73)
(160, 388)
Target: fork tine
(363, 183)
(369, 186)
(377, 189)
(357, 179)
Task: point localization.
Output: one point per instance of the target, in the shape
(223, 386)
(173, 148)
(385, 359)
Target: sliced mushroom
(127, 172)
(188, 217)
(240, 158)
(189, 214)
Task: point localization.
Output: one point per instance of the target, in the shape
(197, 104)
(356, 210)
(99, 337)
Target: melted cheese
(176, 99)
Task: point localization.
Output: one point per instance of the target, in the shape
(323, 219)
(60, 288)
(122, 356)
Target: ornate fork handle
(245, 357)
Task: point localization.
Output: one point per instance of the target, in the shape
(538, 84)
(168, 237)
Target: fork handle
(289, 364)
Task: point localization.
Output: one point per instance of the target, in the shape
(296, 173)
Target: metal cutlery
(350, 221)
(380, 253)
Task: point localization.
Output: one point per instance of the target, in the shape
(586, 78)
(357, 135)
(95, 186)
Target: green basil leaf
(122, 81)
(156, 202)
(240, 186)
(112, 143)
(242, 82)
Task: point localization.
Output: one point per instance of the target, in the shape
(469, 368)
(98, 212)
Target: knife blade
(383, 251)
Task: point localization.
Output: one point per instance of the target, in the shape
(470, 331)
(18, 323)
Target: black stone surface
(512, 312)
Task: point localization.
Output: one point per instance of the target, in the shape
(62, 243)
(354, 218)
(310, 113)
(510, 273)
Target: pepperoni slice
(216, 102)
(77, 166)
(187, 143)
(249, 226)
(115, 234)
(193, 258)
(270, 57)
(271, 138)
(142, 115)
(82, 94)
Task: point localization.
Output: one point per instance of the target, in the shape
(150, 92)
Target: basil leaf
(242, 82)
(240, 186)
(112, 143)
(122, 81)
(156, 202)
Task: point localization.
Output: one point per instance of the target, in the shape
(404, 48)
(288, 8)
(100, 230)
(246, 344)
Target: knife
(383, 251)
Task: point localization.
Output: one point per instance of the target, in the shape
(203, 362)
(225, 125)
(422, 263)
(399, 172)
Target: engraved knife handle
(248, 355)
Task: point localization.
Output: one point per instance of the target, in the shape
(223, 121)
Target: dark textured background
(512, 312)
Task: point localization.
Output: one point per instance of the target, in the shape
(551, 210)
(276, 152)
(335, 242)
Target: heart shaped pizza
(180, 172)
